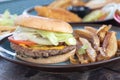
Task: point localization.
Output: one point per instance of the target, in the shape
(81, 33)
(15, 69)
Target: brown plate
(7, 53)
(32, 11)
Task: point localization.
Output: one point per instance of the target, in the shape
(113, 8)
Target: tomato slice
(28, 43)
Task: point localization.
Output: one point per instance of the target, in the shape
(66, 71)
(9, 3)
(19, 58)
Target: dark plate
(7, 53)
(33, 12)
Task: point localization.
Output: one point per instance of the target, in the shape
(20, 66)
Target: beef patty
(37, 53)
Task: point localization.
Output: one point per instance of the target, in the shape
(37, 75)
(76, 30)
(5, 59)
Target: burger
(42, 40)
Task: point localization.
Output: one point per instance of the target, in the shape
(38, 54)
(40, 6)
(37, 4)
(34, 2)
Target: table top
(11, 71)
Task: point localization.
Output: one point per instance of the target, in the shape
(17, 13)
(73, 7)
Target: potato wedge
(101, 54)
(81, 58)
(93, 38)
(90, 51)
(110, 44)
(57, 13)
(60, 4)
(73, 60)
(91, 29)
(6, 29)
(101, 32)
(118, 42)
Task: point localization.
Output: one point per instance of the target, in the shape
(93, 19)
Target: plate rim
(62, 67)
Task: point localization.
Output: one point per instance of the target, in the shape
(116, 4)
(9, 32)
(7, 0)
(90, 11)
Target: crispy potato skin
(101, 32)
(118, 42)
(106, 49)
(111, 44)
(4, 29)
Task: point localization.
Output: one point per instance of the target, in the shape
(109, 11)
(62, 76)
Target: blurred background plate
(7, 53)
(32, 11)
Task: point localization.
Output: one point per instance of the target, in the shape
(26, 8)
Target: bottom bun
(49, 60)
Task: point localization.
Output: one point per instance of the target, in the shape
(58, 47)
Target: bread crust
(49, 60)
(43, 23)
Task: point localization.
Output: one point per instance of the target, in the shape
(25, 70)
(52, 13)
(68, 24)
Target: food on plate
(60, 4)
(42, 40)
(101, 32)
(95, 15)
(6, 29)
(110, 9)
(93, 38)
(94, 44)
(118, 42)
(57, 13)
(110, 44)
(117, 15)
(95, 4)
(7, 22)
(105, 13)
(79, 10)
(89, 49)
(91, 29)
(65, 3)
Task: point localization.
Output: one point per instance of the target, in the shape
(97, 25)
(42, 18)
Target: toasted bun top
(43, 23)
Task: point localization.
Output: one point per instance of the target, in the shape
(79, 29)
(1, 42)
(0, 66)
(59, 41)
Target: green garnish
(82, 49)
(7, 19)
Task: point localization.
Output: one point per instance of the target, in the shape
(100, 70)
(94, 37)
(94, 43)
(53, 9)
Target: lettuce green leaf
(7, 19)
(82, 49)
(53, 37)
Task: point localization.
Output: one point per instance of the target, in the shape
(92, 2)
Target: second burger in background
(42, 40)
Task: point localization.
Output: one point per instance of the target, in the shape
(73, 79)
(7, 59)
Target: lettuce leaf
(53, 37)
(7, 19)
(66, 37)
(31, 37)
(82, 50)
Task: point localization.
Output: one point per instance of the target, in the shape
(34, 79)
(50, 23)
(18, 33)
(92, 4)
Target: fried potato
(57, 13)
(93, 38)
(60, 4)
(96, 4)
(105, 50)
(82, 59)
(82, 33)
(78, 3)
(90, 51)
(73, 60)
(110, 44)
(66, 3)
(91, 29)
(101, 55)
(6, 29)
(118, 42)
(101, 32)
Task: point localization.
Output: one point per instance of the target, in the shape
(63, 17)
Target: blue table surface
(18, 6)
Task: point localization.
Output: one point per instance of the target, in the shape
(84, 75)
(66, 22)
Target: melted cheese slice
(42, 47)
